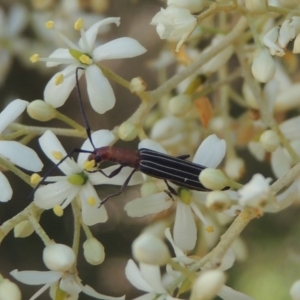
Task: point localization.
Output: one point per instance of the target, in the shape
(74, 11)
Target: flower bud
(295, 290)
(58, 257)
(249, 97)
(256, 6)
(207, 285)
(150, 249)
(127, 131)
(93, 251)
(180, 105)
(192, 5)
(263, 66)
(218, 201)
(148, 188)
(213, 179)
(23, 229)
(269, 140)
(9, 290)
(137, 85)
(41, 111)
(235, 168)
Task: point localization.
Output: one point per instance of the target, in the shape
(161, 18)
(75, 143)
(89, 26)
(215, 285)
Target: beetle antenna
(87, 125)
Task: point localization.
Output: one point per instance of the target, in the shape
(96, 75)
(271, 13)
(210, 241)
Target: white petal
(18, 17)
(211, 152)
(5, 188)
(100, 138)
(98, 178)
(100, 92)
(177, 250)
(149, 144)
(49, 143)
(92, 32)
(227, 260)
(56, 95)
(145, 206)
(91, 292)
(152, 275)
(61, 54)
(135, 277)
(227, 293)
(290, 128)
(280, 162)
(36, 277)
(61, 192)
(257, 150)
(21, 155)
(11, 112)
(198, 213)
(120, 48)
(91, 215)
(184, 231)
(70, 285)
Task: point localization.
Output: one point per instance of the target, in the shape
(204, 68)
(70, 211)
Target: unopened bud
(207, 285)
(263, 66)
(9, 290)
(93, 251)
(213, 179)
(218, 201)
(137, 85)
(58, 257)
(256, 6)
(234, 168)
(41, 111)
(269, 140)
(127, 131)
(23, 229)
(192, 5)
(151, 250)
(180, 105)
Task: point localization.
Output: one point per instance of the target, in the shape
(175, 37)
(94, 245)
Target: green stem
(14, 135)
(77, 221)
(69, 121)
(113, 76)
(38, 229)
(87, 231)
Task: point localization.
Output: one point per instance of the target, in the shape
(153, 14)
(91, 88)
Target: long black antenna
(87, 125)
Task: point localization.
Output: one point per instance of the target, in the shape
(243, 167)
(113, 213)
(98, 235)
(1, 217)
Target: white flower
(147, 278)
(67, 282)
(9, 290)
(209, 154)
(174, 22)
(15, 152)
(86, 55)
(192, 5)
(77, 181)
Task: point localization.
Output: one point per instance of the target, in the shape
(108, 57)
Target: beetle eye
(97, 158)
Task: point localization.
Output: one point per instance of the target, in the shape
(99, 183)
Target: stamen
(89, 165)
(58, 210)
(78, 25)
(91, 201)
(84, 59)
(57, 155)
(185, 196)
(59, 79)
(49, 24)
(34, 58)
(210, 229)
(35, 178)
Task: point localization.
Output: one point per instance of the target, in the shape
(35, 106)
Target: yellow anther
(84, 59)
(91, 201)
(49, 24)
(58, 210)
(78, 24)
(89, 165)
(35, 178)
(34, 58)
(210, 229)
(59, 79)
(57, 155)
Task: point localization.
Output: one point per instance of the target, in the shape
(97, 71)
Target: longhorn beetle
(155, 164)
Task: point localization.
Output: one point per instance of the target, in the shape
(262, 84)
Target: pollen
(78, 24)
(57, 155)
(210, 229)
(49, 24)
(89, 165)
(35, 178)
(58, 210)
(34, 58)
(84, 59)
(59, 79)
(91, 201)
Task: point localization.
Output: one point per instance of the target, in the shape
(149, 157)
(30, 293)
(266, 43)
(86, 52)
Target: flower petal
(36, 277)
(18, 17)
(152, 275)
(120, 48)
(92, 32)
(11, 112)
(91, 292)
(211, 152)
(69, 284)
(49, 144)
(5, 188)
(145, 206)
(149, 144)
(100, 92)
(227, 293)
(91, 215)
(280, 162)
(21, 155)
(62, 55)
(184, 231)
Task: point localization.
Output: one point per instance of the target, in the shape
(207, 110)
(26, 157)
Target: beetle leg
(170, 192)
